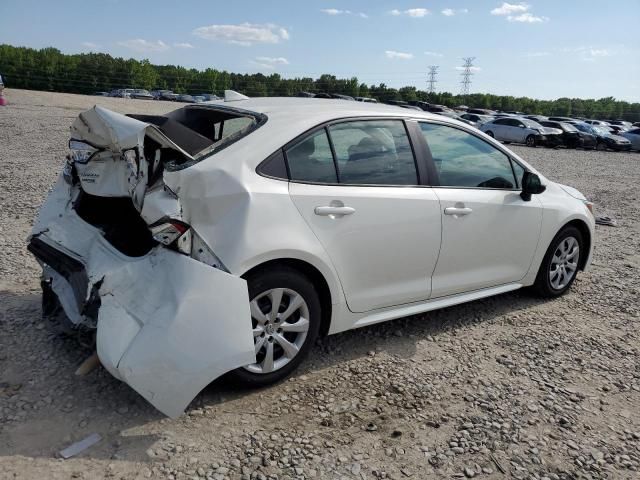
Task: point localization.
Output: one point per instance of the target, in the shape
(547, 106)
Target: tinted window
(311, 160)
(635, 132)
(373, 153)
(464, 160)
(501, 121)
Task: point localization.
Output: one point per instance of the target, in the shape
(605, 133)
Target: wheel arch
(311, 272)
(586, 237)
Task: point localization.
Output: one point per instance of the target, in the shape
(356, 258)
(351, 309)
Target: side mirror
(531, 185)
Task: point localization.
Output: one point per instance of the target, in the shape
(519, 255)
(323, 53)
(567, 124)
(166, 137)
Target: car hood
(617, 138)
(572, 192)
(551, 131)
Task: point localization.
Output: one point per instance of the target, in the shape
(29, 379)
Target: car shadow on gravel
(44, 409)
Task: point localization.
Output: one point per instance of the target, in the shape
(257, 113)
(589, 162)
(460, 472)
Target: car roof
(298, 114)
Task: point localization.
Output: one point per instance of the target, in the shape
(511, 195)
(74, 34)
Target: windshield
(601, 130)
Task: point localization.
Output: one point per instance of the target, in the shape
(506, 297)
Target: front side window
(373, 152)
(311, 160)
(464, 160)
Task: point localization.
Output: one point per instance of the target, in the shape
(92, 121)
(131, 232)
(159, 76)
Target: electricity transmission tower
(467, 72)
(431, 82)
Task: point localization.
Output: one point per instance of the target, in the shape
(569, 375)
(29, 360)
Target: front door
(380, 228)
(489, 233)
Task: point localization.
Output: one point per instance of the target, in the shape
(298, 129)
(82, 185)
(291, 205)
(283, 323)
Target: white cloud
(144, 46)
(243, 34)
(401, 55)
(527, 18)
(183, 45)
(90, 45)
(335, 11)
(510, 8)
(473, 69)
(270, 62)
(433, 54)
(412, 12)
(599, 52)
(450, 12)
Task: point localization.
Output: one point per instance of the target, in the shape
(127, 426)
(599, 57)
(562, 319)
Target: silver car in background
(522, 130)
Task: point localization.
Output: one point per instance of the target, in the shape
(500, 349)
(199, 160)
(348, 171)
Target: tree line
(51, 70)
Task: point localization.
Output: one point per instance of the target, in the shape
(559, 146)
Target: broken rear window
(202, 130)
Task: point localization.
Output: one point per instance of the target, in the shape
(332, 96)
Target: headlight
(589, 206)
(81, 152)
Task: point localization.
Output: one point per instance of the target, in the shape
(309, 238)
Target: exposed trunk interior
(121, 223)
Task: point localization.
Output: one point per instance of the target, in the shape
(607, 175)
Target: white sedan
(226, 237)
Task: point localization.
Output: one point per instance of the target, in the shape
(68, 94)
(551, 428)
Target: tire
(263, 287)
(601, 146)
(558, 258)
(530, 141)
(490, 133)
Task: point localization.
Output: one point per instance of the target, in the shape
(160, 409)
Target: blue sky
(542, 48)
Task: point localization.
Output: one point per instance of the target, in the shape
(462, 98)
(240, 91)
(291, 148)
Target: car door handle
(459, 211)
(328, 210)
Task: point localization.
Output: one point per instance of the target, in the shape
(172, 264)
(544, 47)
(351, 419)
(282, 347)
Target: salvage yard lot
(507, 387)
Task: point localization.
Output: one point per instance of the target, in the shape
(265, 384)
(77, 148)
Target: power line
(467, 72)
(431, 82)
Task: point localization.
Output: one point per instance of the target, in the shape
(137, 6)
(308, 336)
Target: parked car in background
(185, 98)
(616, 129)
(164, 95)
(571, 136)
(232, 250)
(366, 100)
(141, 94)
(209, 97)
(561, 119)
(522, 130)
(121, 93)
(605, 139)
(481, 111)
(600, 123)
(633, 136)
(101, 94)
(622, 123)
(339, 96)
(476, 119)
(536, 118)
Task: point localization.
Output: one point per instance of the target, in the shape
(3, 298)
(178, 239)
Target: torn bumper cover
(167, 324)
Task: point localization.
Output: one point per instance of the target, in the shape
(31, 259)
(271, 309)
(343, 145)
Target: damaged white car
(226, 237)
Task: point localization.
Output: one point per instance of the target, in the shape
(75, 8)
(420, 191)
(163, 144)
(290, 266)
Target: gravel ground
(507, 387)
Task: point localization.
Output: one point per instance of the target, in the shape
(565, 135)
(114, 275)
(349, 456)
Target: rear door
(357, 185)
(489, 234)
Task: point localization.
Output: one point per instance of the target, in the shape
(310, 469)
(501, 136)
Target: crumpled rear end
(166, 324)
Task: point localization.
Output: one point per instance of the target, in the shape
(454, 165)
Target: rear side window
(464, 160)
(311, 160)
(374, 152)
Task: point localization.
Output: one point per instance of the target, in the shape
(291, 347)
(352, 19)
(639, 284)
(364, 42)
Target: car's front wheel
(286, 316)
(560, 264)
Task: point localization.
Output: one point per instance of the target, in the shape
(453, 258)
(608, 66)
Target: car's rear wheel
(285, 313)
(490, 133)
(560, 264)
(530, 141)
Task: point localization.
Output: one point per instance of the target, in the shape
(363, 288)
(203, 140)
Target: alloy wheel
(564, 263)
(280, 318)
